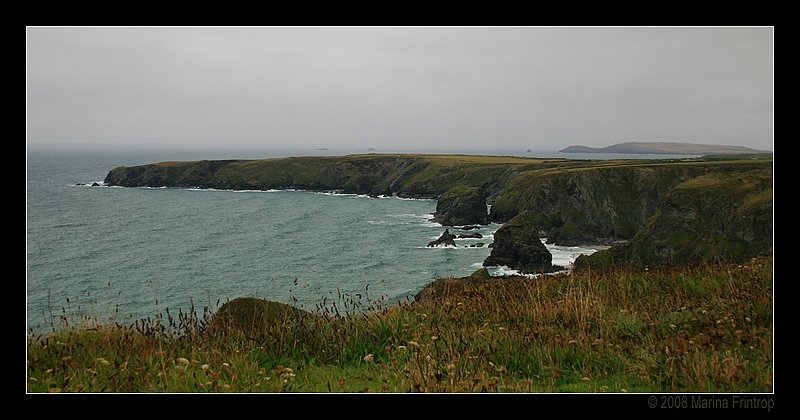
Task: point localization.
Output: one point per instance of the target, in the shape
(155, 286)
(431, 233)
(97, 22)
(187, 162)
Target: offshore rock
(517, 246)
(447, 239)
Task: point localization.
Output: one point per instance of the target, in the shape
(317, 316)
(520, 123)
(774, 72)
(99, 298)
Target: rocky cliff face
(597, 205)
(360, 176)
(517, 246)
(461, 206)
(713, 217)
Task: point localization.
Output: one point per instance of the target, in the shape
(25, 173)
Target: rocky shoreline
(652, 212)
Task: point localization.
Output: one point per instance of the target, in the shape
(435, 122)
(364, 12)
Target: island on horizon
(664, 148)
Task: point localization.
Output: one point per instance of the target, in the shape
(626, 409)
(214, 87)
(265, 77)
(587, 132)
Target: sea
(114, 254)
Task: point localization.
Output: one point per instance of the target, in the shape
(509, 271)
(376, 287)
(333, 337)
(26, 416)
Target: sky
(397, 88)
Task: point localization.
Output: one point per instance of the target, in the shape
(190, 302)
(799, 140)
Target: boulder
(95, 184)
(470, 236)
(517, 246)
(447, 239)
(462, 206)
(255, 316)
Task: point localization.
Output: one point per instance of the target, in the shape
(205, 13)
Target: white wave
(413, 199)
(477, 265)
(566, 255)
(405, 215)
(89, 184)
(505, 271)
(428, 223)
(438, 247)
(255, 191)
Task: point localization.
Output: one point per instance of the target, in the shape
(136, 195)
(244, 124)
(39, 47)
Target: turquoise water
(133, 252)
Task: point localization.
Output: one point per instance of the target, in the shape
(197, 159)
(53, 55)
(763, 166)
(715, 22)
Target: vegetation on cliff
(460, 206)
(705, 328)
(719, 216)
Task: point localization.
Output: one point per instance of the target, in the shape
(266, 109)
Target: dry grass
(703, 328)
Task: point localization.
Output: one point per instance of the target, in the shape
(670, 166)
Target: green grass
(704, 328)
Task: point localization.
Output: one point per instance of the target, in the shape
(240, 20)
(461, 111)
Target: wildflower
(204, 367)
(401, 347)
(102, 361)
(413, 343)
(182, 360)
(369, 358)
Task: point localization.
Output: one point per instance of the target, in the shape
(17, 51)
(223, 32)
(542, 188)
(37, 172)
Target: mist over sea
(128, 253)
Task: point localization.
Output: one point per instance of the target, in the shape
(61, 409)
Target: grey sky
(398, 88)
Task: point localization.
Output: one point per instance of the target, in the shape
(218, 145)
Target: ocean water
(127, 253)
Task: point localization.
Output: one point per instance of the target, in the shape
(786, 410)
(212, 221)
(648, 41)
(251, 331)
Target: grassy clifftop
(424, 176)
(692, 329)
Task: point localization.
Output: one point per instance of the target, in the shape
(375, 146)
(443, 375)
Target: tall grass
(706, 328)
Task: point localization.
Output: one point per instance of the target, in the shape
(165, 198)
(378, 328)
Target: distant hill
(664, 148)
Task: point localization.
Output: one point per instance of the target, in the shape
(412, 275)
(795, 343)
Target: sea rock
(447, 239)
(517, 246)
(470, 235)
(479, 245)
(462, 206)
(95, 184)
(470, 227)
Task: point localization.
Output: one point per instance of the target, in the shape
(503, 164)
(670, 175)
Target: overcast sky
(398, 88)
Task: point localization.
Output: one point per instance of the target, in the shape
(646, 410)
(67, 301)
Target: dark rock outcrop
(447, 239)
(517, 246)
(255, 316)
(470, 236)
(95, 184)
(462, 206)
(470, 227)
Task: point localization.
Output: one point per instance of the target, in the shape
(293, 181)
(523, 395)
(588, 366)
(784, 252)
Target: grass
(705, 328)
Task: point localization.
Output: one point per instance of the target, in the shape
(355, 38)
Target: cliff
(460, 206)
(669, 211)
(418, 176)
(710, 218)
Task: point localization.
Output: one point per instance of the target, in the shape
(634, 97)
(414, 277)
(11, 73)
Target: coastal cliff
(652, 212)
